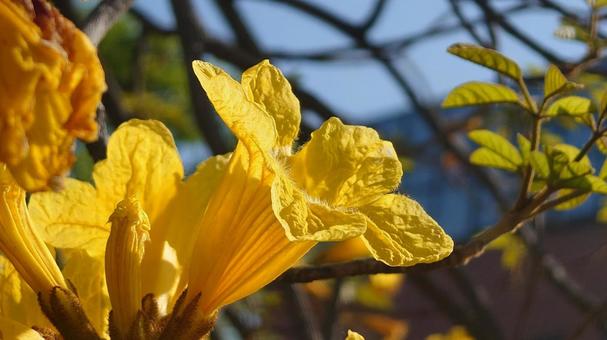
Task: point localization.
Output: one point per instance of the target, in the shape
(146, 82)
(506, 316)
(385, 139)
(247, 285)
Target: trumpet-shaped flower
(19, 241)
(28, 268)
(52, 81)
(241, 219)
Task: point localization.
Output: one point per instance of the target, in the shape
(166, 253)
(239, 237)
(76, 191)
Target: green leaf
(524, 146)
(571, 106)
(496, 151)
(603, 171)
(603, 104)
(478, 93)
(597, 184)
(555, 82)
(601, 145)
(488, 58)
(539, 162)
(563, 166)
(487, 158)
(572, 203)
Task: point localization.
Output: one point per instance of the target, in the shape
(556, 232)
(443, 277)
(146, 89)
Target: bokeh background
(382, 64)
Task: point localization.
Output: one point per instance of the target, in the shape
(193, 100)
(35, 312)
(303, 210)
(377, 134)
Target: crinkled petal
(303, 219)
(143, 163)
(49, 155)
(346, 165)
(400, 233)
(72, 218)
(53, 83)
(267, 87)
(243, 117)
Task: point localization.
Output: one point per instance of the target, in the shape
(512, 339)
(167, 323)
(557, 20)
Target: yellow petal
(87, 274)
(18, 302)
(267, 87)
(354, 336)
(347, 250)
(54, 82)
(73, 217)
(143, 163)
(400, 233)
(19, 241)
(241, 245)
(182, 220)
(305, 220)
(243, 117)
(9, 329)
(346, 165)
(123, 256)
(455, 333)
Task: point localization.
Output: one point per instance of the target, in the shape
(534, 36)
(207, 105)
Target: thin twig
(103, 17)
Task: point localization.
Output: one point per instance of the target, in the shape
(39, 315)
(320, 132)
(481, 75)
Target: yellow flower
(19, 241)
(241, 219)
(37, 270)
(124, 253)
(52, 81)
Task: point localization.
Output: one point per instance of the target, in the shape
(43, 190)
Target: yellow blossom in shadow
(512, 248)
(19, 308)
(354, 336)
(455, 333)
(52, 81)
(242, 219)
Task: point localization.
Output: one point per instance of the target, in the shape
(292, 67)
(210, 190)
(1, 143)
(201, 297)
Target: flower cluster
(161, 253)
(52, 81)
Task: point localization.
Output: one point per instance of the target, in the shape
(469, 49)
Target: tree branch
(103, 17)
(191, 34)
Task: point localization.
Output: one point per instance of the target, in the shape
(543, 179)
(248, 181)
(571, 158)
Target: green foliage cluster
(558, 168)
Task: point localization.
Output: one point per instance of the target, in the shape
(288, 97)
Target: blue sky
(361, 91)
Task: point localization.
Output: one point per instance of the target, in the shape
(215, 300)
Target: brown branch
(498, 18)
(478, 302)
(103, 17)
(305, 314)
(448, 306)
(97, 148)
(380, 5)
(455, 8)
(245, 330)
(191, 34)
(596, 314)
(244, 38)
(332, 309)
